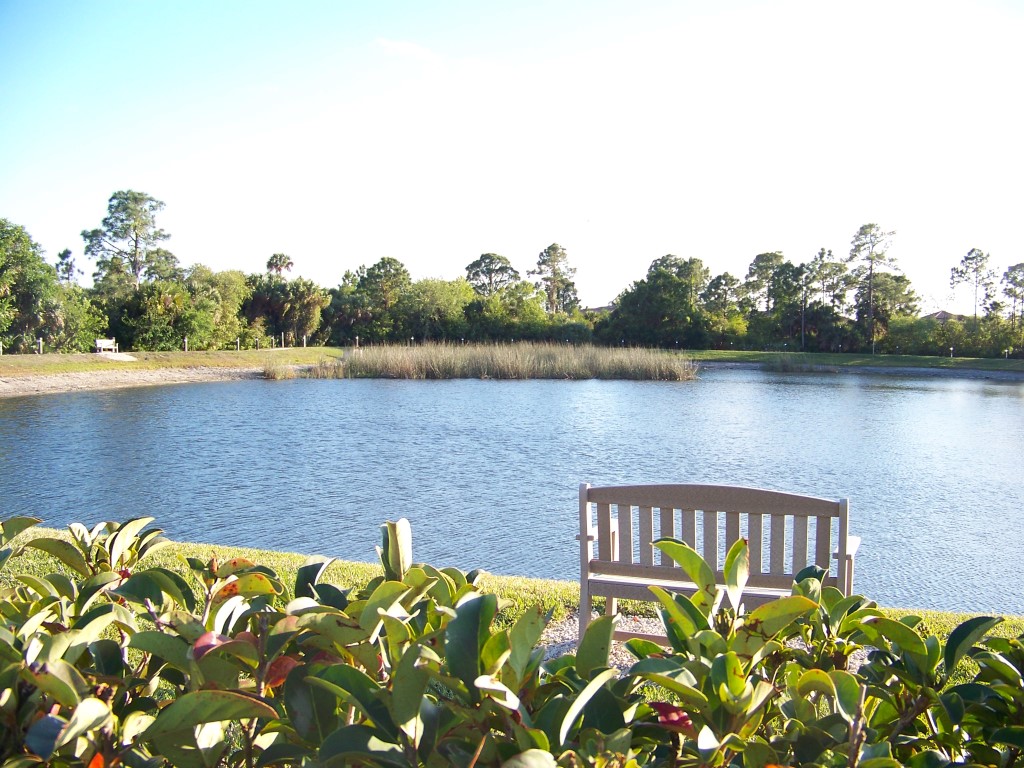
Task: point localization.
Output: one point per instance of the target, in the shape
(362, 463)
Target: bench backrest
(105, 343)
(785, 531)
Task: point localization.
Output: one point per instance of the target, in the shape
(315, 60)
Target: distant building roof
(943, 316)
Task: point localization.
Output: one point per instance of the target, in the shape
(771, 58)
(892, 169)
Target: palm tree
(280, 263)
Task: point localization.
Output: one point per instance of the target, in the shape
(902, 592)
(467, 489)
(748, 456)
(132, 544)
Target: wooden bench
(106, 345)
(621, 522)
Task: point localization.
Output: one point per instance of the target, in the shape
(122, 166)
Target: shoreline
(82, 381)
(86, 381)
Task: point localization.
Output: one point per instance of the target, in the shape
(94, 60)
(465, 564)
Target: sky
(432, 132)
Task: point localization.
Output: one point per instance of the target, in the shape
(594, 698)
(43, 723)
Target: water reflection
(487, 471)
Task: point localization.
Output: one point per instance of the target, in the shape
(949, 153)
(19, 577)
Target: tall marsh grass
(508, 361)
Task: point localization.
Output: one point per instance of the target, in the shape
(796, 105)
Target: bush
(106, 662)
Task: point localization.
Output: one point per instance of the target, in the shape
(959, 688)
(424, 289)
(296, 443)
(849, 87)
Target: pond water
(487, 471)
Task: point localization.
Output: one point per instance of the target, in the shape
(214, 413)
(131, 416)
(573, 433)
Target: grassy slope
(41, 365)
(559, 597)
(837, 360)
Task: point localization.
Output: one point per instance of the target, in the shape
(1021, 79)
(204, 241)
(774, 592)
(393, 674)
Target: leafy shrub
(107, 662)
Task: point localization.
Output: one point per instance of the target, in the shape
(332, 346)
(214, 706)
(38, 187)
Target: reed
(277, 371)
(507, 361)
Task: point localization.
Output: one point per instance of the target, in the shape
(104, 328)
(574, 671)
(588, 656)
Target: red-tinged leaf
(206, 643)
(673, 717)
(233, 566)
(247, 585)
(278, 670)
(97, 761)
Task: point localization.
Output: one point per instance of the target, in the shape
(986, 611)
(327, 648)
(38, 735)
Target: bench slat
(777, 554)
(710, 552)
(646, 525)
(754, 540)
(799, 543)
(668, 529)
(624, 514)
(604, 531)
(822, 542)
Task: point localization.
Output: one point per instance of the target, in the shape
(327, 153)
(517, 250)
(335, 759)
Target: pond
(488, 471)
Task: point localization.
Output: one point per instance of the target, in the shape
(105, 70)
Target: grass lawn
(41, 365)
(796, 360)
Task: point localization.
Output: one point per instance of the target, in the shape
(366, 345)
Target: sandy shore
(19, 386)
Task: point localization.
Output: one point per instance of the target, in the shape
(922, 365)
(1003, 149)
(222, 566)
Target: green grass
(42, 365)
(509, 361)
(826, 360)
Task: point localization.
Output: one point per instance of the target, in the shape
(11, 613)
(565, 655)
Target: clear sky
(341, 132)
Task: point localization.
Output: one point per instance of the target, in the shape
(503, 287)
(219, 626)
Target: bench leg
(586, 606)
(611, 606)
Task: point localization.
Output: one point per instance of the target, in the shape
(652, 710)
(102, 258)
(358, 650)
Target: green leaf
(171, 649)
(737, 571)
(595, 645)
(576, 708)
(335, 626)
(848, 693)
(466, 635)
(42, 735)
(353, 743)
(878, 627)
(309, 573)
(408, 687)
(771, 618)
(310, 704)
(677, 616)
(12, 526)
(531, 758)
(524, 636)
(694, 566)
(181, 716)
(88, 716)
(963, 638)
(1012, 736)
(64, 551)
(121, 542)
(358, 688)
(815, 681)
(383, 597)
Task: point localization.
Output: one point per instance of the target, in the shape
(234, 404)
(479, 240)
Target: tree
(759, 277)
(434, 309)
(868, 252)
(1013, 288)
(66, 268)
(556, 279)
(279, 263)
(973, 270)
(490, 273)
(832, 278)
(28, 286)
(127, 243)
(891, 297)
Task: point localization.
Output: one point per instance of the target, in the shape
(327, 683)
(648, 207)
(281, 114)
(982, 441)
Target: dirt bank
(18, 386)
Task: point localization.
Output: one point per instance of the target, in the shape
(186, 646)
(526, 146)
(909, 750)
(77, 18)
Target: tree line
(143, 297)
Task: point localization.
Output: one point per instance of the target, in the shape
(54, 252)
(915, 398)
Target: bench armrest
(852, 545)
(614, 531)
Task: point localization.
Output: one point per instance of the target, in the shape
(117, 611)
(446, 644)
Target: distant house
(943, 316)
